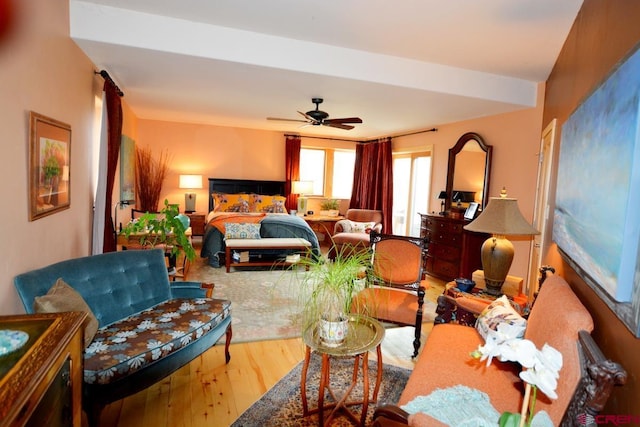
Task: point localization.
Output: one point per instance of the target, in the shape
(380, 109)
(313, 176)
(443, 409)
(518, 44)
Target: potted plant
(330, 207)
(328, 288)
(167, 227)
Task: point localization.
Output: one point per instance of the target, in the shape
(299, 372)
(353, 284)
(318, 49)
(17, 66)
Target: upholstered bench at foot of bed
(271, 243)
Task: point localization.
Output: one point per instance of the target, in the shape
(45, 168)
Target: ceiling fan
(318, 117)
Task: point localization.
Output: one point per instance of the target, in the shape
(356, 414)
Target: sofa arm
(192, 290)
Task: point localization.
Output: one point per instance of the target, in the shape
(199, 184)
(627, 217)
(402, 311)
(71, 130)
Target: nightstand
(197, 223)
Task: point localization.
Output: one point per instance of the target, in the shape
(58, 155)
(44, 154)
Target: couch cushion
(131, 344)
(62, 297)
(446, 360)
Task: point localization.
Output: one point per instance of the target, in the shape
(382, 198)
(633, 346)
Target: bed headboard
(233, 186)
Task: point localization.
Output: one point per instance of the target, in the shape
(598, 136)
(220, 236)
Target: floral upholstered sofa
(140, 328)
(445, 369)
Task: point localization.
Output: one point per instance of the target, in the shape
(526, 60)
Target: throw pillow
(62, 297)
(267, 204)
(241, 230)
(223, 202)
(362, 227)
(499, 312)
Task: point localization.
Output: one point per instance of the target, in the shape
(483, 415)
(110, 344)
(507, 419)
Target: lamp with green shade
(500, 218)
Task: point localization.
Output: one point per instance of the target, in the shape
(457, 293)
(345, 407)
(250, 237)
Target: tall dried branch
(150, 174)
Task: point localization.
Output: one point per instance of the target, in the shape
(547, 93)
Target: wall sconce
(501, 218)
(442, 196)
(190, 182)
(301, 188)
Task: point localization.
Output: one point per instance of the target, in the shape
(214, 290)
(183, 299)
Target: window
(331, 171)
(411, 184)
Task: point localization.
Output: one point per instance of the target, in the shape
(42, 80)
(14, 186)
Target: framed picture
(599, 158)
(470, 213)
(49, 166)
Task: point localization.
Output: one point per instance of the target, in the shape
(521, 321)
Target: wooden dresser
(452, 251)
(41, 382)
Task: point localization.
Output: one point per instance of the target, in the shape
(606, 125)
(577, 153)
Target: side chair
(395, 293)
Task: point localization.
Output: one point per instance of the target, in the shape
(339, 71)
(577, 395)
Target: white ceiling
(401, 66)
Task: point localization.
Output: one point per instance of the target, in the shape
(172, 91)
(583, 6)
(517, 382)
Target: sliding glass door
(411, 184)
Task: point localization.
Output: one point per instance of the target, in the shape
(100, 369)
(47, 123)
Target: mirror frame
(453, 151)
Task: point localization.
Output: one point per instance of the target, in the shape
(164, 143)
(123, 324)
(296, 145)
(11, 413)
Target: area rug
(281, 406)
(265, 302)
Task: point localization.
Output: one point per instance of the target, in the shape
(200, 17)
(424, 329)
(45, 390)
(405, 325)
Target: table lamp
(190, 182)
(501, 218)
(442, 196)
(301, 188)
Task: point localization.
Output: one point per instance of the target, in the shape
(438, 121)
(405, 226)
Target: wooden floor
(209, 393)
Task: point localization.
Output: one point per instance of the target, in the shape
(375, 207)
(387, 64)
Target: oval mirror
(468, 171)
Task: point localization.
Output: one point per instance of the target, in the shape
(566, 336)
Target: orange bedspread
(219, 220)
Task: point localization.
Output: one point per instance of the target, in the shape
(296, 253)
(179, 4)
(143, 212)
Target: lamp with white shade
(190, 182)
(301, 188)
(500, 218)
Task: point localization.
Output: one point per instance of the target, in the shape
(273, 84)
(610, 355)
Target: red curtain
(292, 169)
(114, 135)
(373, 180)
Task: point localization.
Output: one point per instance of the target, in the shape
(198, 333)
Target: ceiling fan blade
(286, 120)
(344, 120)
(308, 117)
(337, 125)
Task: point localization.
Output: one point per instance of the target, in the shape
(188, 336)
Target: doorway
(541, 210)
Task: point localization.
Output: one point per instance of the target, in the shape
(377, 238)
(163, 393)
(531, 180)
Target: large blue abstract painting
(597, 214)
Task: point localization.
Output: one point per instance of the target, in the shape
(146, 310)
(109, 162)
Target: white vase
(332, 333)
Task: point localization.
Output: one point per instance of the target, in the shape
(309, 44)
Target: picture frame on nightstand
(471, 211)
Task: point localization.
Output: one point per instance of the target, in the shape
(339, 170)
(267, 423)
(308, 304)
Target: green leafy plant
(328, 287)
(166, 227)
(330, 205)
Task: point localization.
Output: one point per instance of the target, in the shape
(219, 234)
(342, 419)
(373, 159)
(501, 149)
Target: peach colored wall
(516, 141)
(42, 70)
(213, 152)
(604, 32)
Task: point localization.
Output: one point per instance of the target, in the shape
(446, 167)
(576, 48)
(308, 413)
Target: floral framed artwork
(49, 166)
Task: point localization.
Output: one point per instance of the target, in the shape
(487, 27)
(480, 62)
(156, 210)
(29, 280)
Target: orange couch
(557, 317)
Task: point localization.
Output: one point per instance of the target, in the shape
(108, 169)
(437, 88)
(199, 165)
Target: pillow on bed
(267, 204)
(241, 230)
(223, 202)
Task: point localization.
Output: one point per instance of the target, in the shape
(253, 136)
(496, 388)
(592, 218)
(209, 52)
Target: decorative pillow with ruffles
(500, 311)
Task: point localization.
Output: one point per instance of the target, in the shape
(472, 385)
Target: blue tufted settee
(148, 327)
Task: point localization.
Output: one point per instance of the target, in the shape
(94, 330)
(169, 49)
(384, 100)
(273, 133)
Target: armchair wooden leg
(418, 327)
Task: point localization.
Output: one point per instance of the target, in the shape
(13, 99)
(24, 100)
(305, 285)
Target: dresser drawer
(444, 269)
(442, 226)
(445, 252)
(451, 239)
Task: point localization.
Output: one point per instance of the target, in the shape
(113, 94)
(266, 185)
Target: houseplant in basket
(330, 207)
(327, 290)
(167, 228)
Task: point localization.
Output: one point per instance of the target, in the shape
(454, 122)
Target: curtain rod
(361, 142)
(107, 77)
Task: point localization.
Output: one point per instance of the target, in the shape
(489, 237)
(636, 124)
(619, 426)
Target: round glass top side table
(363, 334)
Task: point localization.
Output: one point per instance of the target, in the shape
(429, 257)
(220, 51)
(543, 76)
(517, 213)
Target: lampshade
(501, 217)
(301, 187)
(442, 195)
(190, 181)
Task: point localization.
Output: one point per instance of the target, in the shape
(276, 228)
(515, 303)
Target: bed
(242, 201)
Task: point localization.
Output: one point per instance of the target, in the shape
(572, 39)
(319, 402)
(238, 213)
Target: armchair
(352, 233)
(397, 293)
